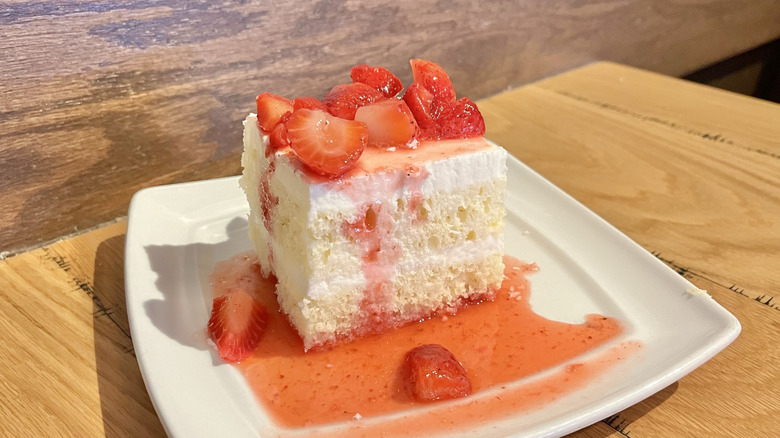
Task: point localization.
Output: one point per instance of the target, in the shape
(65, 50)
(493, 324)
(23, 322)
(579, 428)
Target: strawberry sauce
(498, 343)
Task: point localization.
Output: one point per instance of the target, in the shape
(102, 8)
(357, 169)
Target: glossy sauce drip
(498, 342)
(373, 231)
(377, 160)
(379, 254)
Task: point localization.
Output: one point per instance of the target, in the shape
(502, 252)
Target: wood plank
(68, 367)
(103, 98)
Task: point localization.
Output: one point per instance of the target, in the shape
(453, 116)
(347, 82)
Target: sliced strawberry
(237, 324)
(278, 138)
(308, 102)
(379, 78)
(420, 102)
(434, 79)
(433, 373)
(344, 99)
(326, 144)
(390, 123)
(270, 109)
(461, 119)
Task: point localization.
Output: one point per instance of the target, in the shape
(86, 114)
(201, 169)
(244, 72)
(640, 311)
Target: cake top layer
(375, 160)
(369, 125)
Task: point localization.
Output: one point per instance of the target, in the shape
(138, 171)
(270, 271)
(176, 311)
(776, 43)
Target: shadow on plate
(179, 286)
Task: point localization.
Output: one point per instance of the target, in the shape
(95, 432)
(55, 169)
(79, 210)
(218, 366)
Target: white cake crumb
(695, 291)
(357, 416)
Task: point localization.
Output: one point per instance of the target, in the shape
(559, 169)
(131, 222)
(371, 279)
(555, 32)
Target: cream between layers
(401, 235)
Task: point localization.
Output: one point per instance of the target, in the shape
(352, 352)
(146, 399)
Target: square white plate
(177, 233)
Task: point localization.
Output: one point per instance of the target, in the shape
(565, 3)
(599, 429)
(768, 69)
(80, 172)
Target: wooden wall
(100, 98)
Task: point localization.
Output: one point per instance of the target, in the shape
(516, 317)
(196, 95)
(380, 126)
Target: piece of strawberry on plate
(237, 324)
(433, 373)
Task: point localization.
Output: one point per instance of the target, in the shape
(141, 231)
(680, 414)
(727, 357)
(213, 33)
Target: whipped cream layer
(400, 235)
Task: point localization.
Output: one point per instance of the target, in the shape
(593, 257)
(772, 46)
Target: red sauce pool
(497, 342)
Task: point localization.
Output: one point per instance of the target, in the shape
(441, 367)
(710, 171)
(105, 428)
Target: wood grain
(68, 367)
(103, 98)
(689, 172)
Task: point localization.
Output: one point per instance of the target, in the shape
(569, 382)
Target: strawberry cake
(374, 207)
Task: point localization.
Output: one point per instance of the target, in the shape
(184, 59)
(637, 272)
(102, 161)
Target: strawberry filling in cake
(372, 207)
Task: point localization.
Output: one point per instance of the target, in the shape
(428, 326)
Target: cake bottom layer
(412, 296)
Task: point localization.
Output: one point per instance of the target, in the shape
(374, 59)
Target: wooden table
(689, 172)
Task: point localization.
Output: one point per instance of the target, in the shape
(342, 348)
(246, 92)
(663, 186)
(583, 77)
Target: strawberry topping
(433, 373)
(326, 144)
(461, 119)
(431, 97)
(237, 324)
(270, 110)
(434, 79)
(379, 78)
(344, 99)
(420, 102)
(278, 137)
(317, 132)
(308, 102)
(390, 123)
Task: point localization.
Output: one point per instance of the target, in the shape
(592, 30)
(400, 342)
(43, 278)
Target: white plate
(177, 233)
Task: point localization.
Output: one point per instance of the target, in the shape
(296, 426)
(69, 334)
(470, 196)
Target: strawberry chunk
(270, 110)
(278, 138)
(308, 102)
(431, 98)
(237, 324)
(326, 144)
(462, 119)
(390, 123)
(433, 373)
(344, 99)
(434, 79)
(420, 103)
(379, 78)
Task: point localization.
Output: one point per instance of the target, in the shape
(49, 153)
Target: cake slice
(375, 221)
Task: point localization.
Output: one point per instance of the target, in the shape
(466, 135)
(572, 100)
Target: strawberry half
(326, 144)
(390, 123)
(270, 110)
(278, 137)
(379, 78)
(434, 79)
(420, 103)
(433, 373)
(237, 324)
(344, 99)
